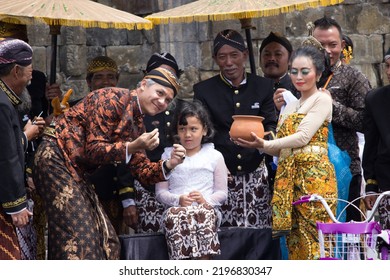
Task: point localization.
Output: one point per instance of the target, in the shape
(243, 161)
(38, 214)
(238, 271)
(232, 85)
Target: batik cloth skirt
(149, 210)
(28, 237)
(303, 171)
(78, 227)
(383, 211)
(191, 232)
(114, 210)
(9, 245)
(248, 202)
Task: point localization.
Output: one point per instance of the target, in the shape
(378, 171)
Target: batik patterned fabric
(191, 232)
(114, 211)
(9, 247)
(303, 171)
(384, 210)
(27, 241)
(78, 225)
(248, 202)
(40, 226)
(149, 210)
(348, 88)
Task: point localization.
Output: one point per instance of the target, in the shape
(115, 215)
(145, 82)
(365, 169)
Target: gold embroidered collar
(15, 100)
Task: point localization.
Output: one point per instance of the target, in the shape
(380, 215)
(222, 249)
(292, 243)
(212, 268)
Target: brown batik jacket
(348, 87)
(94, 132)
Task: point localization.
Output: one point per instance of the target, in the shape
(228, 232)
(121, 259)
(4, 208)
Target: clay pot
(243, 125)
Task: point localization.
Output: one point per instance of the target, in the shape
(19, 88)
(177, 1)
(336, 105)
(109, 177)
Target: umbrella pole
(247, 25)
(54, 31)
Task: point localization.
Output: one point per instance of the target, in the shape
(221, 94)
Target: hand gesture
(257, 143)
(178, 155)
(130, 216)
(278, 98)
(147, 141)
(369, 200)
(53, 91)
(197, 197)
(34, 129)
(185, 200)
(21, 218)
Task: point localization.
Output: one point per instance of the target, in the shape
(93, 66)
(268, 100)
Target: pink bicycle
(351, 240)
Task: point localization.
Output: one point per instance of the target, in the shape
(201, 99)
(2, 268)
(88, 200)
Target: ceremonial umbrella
(244, 10)
(57, 13)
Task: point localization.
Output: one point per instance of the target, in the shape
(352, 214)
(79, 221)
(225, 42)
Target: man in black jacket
(235, 92)
(15, 74)
(376, 153)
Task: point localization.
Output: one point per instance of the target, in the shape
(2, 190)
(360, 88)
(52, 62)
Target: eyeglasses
(304, 71)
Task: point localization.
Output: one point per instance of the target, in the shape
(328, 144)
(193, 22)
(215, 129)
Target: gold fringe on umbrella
(218, 10)
(81, 23)
(83, 13)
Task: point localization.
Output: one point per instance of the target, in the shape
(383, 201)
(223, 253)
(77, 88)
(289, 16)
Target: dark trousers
(354, 192)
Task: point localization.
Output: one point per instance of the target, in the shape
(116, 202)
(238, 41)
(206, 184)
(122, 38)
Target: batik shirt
(95, 131)
(348, 87)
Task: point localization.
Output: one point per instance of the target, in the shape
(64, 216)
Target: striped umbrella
(244, 10)
(57, 13)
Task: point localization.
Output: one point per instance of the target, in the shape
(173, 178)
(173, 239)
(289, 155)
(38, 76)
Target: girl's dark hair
(192, 109)
(316, 56)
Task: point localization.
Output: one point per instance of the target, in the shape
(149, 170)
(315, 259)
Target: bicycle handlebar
(316, 197)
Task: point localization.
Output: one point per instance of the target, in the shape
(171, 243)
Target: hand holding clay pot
(243, 125)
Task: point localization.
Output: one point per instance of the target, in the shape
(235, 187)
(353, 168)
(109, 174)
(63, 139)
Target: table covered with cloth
(237, 243)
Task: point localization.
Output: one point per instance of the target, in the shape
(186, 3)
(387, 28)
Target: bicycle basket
(348, 241)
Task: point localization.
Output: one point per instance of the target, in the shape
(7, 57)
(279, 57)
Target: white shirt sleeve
(219, 194)
(317, 111)
(165, 196)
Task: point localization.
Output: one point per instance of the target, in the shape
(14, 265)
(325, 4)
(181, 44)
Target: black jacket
(376, 154)
(223, 101)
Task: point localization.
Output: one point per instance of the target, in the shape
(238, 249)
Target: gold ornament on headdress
(310, 40)
(347, 54)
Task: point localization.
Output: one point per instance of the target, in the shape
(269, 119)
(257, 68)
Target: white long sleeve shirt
(205, 172)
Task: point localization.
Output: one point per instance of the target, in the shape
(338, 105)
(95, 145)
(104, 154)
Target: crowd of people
(143, 159)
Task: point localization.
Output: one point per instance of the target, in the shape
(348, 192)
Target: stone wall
(366, 22)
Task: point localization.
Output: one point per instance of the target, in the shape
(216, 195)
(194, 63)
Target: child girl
(194, 189)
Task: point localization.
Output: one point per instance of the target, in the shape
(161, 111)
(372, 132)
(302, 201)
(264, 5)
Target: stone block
(79, 87)
(73, 36)
(129, 81)
(191, 55)
(378, 20)
(204, 33)
(296, 22)
(265, 25)
(130, 59)
(387, 43)
(73, 60)
(106, 37)
(187, 81)
(206, 56)
(367, 49)
(95, 51)
(39, 59)
(218, 26)
(134, 37)
(149, 36)
(38, 35)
